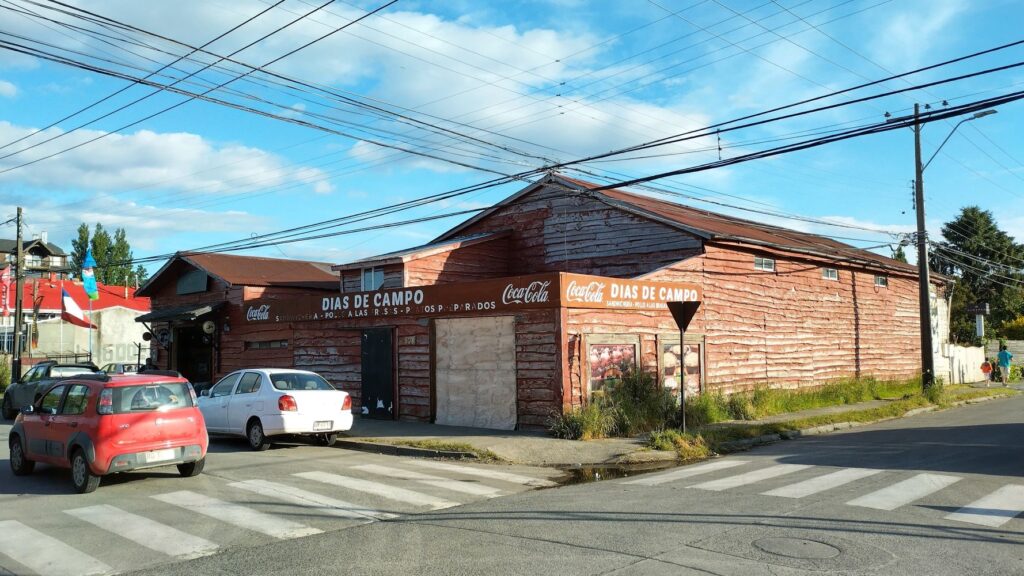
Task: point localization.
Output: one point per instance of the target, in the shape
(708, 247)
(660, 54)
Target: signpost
(683, 312)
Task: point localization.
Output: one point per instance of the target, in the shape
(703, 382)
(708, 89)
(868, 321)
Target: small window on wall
(882, 281)
(765, 264)
(373, 279)
(830, 274)
(609, 362)
(266, 345)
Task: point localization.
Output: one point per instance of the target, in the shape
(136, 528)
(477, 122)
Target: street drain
(584, 474)
(797, 548)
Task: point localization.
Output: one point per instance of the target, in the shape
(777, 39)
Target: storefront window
(609, 362)
(373, 279)
(681, 364)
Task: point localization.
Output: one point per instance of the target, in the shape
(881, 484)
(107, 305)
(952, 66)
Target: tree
(78, 248)
(988, 265)
(899, 254)
(119, 257)
(100, 252)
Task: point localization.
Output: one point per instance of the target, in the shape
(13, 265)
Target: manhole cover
(797, 548)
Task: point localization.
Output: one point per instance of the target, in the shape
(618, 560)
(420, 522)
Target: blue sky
(549, 79)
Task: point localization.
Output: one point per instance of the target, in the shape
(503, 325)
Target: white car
(262, 403)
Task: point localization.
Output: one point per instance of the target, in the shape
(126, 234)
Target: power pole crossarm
(924, 280)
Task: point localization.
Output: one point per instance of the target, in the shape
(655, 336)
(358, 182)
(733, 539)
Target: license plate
(323, 425)
(159, 455)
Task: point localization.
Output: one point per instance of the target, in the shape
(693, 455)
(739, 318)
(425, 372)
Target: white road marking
(993, 510)
(382, 490)
(905, 492)
(685, 472)
(236, 514)
(145, 532)
(45, 555)
(430, 480)
(751, 477)
(317, 502)
(484, 473)
(822, 483)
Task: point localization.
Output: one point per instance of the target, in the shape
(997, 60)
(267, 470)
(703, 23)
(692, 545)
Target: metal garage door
(475, 372)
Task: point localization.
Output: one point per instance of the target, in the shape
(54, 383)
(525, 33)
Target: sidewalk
(537, 448)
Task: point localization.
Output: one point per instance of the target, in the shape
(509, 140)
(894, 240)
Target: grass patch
(688, 446)
(439, 445)
(629, 407)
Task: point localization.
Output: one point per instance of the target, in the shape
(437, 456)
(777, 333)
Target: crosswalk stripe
(822, 483)
(993, 510)
(751, 477)
(318, 502)
(382, 490)
(45, 555)
(686, 472)
(236, 514)
(145, 532)
(484, 473)
(430, 480)
(905, 492)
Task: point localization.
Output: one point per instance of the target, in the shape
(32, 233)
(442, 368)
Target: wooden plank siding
(538, 367)
(792, 327)
(552, 231)
(475, 262)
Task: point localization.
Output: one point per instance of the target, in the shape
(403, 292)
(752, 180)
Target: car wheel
(326, 439)
(81, 476)
(20, 464)
(257, 439)
(191, 469)
(8, 411)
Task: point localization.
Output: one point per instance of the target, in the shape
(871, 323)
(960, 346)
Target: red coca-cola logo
(592, 292)
(535, 292)
(261, 313)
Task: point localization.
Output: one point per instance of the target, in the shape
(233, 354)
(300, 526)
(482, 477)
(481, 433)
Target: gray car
(27, 390)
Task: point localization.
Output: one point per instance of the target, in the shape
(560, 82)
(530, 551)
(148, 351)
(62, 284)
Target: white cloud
(912, 33)
(7, 89)
(149, 160)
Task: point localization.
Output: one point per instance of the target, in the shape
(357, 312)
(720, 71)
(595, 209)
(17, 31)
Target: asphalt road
(939, 493)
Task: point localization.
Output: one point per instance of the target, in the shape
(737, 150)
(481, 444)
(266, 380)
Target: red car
(99, 425)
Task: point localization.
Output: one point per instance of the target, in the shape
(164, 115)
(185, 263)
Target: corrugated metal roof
(48, 293)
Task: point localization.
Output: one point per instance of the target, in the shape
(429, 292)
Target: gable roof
(48, 294)
(11, 246)
(711, 226)
(422, 251)
(238, 270)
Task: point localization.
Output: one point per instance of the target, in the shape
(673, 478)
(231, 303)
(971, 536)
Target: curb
(395, 450)
(747, 443)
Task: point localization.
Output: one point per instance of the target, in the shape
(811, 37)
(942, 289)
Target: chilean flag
(71, 312)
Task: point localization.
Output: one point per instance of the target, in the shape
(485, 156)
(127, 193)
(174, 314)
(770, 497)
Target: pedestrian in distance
(1004, 358)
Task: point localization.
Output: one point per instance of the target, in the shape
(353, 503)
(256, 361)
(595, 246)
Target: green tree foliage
(78, 248)
(1014, 329)
(899, 254)
(113, 256)
(988, 265)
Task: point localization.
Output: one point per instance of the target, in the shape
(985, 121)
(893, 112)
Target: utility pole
(19, 287)
(924, 283)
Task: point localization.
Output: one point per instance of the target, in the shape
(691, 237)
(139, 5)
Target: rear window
(150, 397)
(65, 371)
(294, 381)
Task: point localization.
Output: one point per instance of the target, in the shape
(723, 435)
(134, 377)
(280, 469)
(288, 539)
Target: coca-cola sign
(535, 292)
(258, 313)
(589, 292)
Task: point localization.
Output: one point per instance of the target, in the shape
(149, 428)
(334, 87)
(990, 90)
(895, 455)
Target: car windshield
(299, 381)
(150, 397)
(65, 371)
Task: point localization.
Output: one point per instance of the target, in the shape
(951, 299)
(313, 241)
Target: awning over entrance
(181, 313)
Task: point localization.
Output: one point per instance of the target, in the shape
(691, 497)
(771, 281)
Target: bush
(1012, 329)
(587, 423)
(707, 408)
(687, 446)
(936, 393)
(639, 405)
(5, 372)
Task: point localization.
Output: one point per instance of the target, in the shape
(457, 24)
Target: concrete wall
(114, 341)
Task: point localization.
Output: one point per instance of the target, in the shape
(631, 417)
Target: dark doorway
(193, 354)
(378, 374)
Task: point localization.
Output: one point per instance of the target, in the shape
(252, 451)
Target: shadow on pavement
(995, 449)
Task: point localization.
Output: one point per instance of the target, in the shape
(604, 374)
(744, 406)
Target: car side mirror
(204, 393)
(30, 409)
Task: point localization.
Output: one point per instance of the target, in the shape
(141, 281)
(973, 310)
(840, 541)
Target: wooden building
(530, 306)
